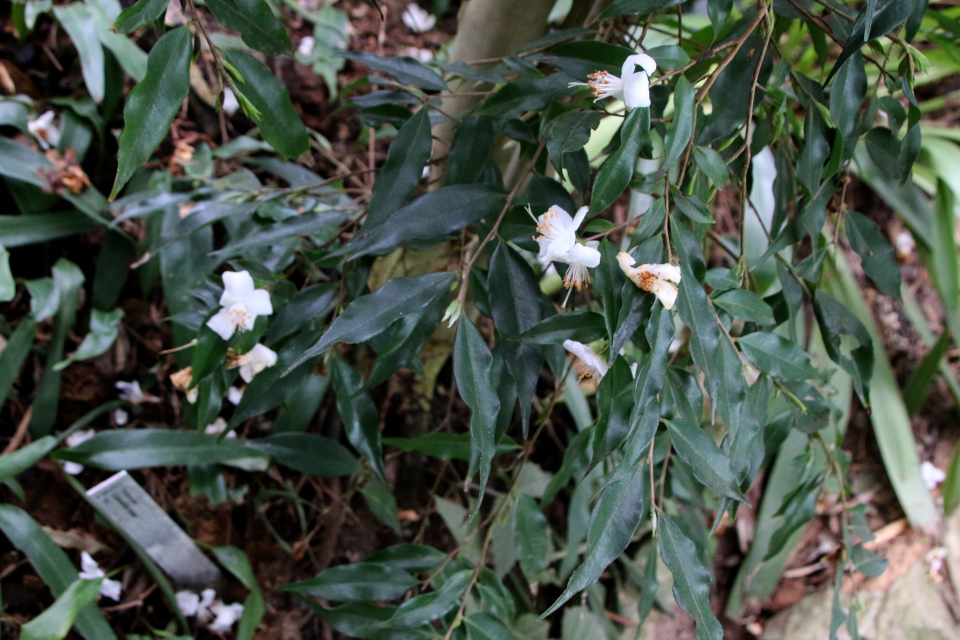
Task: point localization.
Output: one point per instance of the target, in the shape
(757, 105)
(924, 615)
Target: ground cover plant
(490, 338)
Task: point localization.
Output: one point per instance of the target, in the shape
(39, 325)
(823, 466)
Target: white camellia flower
(633, 86)
(75, 439)
(558, 243)
(255, 361)
(91, 571)
(217, 427)
(418, 20)
(932, 475)
(234, 395)
(241, 303)
(43, 129)
(226, 616)
(589, 364)
(307, 43)
(659, 279)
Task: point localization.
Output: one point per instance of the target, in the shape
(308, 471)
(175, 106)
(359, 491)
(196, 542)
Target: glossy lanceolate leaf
(256, 23)
(691, 580)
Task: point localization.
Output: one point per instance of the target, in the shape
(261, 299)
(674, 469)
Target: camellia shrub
(638, 217)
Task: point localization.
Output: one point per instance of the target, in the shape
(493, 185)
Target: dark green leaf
(445, 446)
(401, 173)
(816, 150)
(732, 88)
(680, 130)
(103, 331)
(532, 534)
(528, 94)
(307, 453)
(154, 102)
(409, 557)
(616, 171)
(570, 133)
(140, 448)
(14, 355)
(835, 320)
(486, 626)
(428, 218)
(256, 23)
(582, 326)
(20, 460)
(469, 150)
(52, 565)
(696, 313)
(867, 562)
(708, 463)
(847, 94)
(279, 123)
(636, 7)
(746, 305)
(691, 580)
(921, 380)
(24, 229)
(472, 362)
(891, 15)
(80, 21)
(55, 622)
(361, 581)
(370, 315)
(358, 412)
(879, 258)
(428, 607)
(8, 288)
(669, 57)
(379, 497)
(406, 70)
(237, 563)
(777, 356)
(650, 585)
(140, 14)
(712, 164)
(613, 522)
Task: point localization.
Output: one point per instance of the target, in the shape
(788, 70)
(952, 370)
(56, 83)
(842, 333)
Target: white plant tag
(131, 509)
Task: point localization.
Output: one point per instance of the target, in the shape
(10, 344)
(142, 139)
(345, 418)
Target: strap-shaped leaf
(52, 565)
(405, 69)
(472, 362)
(280, 125)
(617, 170)
(237, 563)
(370, 315)
(613, 522)
(360, 581)
(140, 14)
(680, 130)
(256, 23)
(153, 103)
(403, 169)
(691, 580)
(358, 412)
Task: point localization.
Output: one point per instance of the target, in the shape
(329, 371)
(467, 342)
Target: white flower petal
(110, 589)
(89, 569)
(217, 427)
(590, 365)
(584, 255)
(258, 359)
(932, 475)
(234, 395)
(648, 64)
(130, 391)
(306, 45)
(188, 603)
(258, 303)
(666, 293)
(226, 616)
(222, 324)
(636, 90)
(237, 286)
(121, 417)
(417, 19)
(230, 103)
(73, 468)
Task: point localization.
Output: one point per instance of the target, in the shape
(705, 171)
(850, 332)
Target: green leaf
(582, 326)
(746, 305)
(867, 562)
(691, 580)
(409, 557)
(879, 258)
(361, 581)
(486, 626)
(669, 57)
(52, 565)
(613, 522)
(532, 535)
(428, 218)
(637, 7)
(406, 70)
(708, 463)
(731, 90)
(24, 229)
(80, 23)
(712, 164)
(307, 453)
(891, 15)
(374, 313)
(570, 133)
(401, 173)
(446, 446)
(256, 23)
(681, 129)
(14, 355)
(8, 288)
(469, 150)
(380, 499)
(237, 563)
(816, 150)
(951, 486)
(719, 11)
(103, 331)
(68, 281)
(472, 363)
(140, 14)
(20, 460)
(616, 171)
(358, 412)
(279, 123)
(696, 313)
(153, 103)
(847, 94)
(835, 320)
(425, 608)
(141, 448)
(55, 622)
(776, 356)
